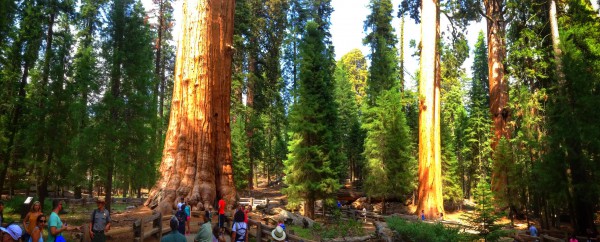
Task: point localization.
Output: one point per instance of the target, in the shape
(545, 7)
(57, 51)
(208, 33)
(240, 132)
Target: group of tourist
(208, 233)
(35, 222)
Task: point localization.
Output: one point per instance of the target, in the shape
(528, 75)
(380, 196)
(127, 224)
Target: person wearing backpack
(238, 232)
(100, 222)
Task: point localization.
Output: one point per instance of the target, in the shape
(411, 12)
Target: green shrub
(419, 231)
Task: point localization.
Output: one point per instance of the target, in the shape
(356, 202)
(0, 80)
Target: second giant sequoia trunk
(496, 29)
(430, 163)
(196, 162)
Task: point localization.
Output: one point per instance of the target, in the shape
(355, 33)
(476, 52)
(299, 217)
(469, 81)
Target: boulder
(361, 203)
(384, 233)
(289, 217)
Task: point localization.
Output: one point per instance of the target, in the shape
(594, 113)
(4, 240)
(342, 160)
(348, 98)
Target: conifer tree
(124, 125)
(484, 219)
(388, 145)
(313, 151)
(573, 115)
(477, 132)
(348, 120)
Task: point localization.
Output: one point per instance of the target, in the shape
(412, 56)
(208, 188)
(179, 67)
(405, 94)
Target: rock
(288, 217)
(361, 203)
(383, 232)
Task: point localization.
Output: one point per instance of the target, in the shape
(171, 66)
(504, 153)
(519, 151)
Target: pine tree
(484, 219)
(383, 72)
(351, 75)
(388, 145)
(477, 132)
(313, 151)
(573, 114)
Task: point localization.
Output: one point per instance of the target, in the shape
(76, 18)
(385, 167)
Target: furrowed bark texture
(430, 165)
(196, 162)
(496, 29)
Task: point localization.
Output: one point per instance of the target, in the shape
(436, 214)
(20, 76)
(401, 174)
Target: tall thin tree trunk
(430, 182)
(196, 160)
(252, 69)
(158, 72)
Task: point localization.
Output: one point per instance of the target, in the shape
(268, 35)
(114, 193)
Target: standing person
(11, 233)
(246, 211)
(441, 216)
(422, 215)
(174, 236)
(278, 234)
(100, 222)
(36, 232)
(55, 225)
(238, 231)
(364, 213)
(188, 212)
(181, 218)
(222, 218)
(533, 231)
(205, 233)
(30, 220)
(180, 203)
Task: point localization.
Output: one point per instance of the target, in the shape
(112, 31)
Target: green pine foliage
(574, 115)
(383, 72)
(313, 152)
(352, 137)
(388, 150)
(391, 167)
(411, 231)
(454, 118)
(484, 219)
(476, 151)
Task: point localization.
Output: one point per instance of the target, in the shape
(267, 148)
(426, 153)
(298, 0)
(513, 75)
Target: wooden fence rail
(137, 229)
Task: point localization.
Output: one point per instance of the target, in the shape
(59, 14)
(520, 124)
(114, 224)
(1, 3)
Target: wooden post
(259, 232)
(137, 231)
(158, 223)
(86, 232)
(252, 202)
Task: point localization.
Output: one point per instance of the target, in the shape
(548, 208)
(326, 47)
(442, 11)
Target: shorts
(188, 218)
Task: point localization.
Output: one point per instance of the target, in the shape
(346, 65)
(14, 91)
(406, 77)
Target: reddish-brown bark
(496, 29)
(196, 161)
(430, 165)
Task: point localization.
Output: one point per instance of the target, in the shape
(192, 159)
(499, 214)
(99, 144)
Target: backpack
(240, 232)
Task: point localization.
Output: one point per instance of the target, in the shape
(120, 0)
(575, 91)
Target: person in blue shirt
(533, 231)
(422, 215)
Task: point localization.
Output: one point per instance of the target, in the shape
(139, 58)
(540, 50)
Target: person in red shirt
(221, 213)
(246, 211)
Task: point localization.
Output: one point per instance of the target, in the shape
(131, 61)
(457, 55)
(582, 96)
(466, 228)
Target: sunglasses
(42, 221)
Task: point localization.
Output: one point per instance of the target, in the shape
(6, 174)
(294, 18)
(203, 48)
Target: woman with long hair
(30, 219)
(238, 232)
(36, 233)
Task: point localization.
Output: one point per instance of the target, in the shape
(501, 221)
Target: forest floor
(124, 218)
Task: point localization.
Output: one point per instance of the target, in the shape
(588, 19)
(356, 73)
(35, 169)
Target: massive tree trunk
(496, 29)
(430, 180)
(196, 161)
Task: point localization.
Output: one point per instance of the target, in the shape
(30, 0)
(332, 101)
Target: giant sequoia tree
(430, 165)
(196, 160)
